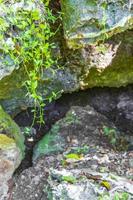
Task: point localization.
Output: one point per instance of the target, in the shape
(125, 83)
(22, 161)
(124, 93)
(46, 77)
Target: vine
(27, 44)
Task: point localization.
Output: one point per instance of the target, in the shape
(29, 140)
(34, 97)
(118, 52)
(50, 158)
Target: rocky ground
(78, 159)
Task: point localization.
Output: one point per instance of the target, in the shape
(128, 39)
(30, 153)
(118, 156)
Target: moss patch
(6, 142)
(11, 129)
(51, 143)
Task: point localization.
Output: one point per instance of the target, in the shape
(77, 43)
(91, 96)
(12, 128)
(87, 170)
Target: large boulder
(87, 22)
(11, 150)
(102, 33)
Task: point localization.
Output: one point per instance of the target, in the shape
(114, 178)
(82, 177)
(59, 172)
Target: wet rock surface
(85, 161)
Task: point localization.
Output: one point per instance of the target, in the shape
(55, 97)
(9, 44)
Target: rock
(131, 163)
(62, 165)
(125, 110)
(104, 64)
(11, 150)
(51, 143)
(78, 121)
(67, 191)
(103, 42)
(10, 159)
(11, 129)
(89, 22)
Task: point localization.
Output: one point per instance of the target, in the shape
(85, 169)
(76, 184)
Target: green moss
(6, 142)
(11, 129)
(118, 74)
(11, 86)
(120, 71)
(51, 143)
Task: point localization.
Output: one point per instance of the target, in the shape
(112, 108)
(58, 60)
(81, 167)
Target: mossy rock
(51, 143)
(11, 132)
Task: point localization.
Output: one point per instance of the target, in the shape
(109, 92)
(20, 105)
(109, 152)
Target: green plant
(79, 150)
(116, 196)
(116, 139)
(104, 20)
(121, 196)
(28, 45)
(111, 133)
(104, 196)
(27, 131)
(73, 156)
(69, 179)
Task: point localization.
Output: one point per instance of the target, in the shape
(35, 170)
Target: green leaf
(69, 179)
(106, 184)
(35, 15)
(73, 156)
